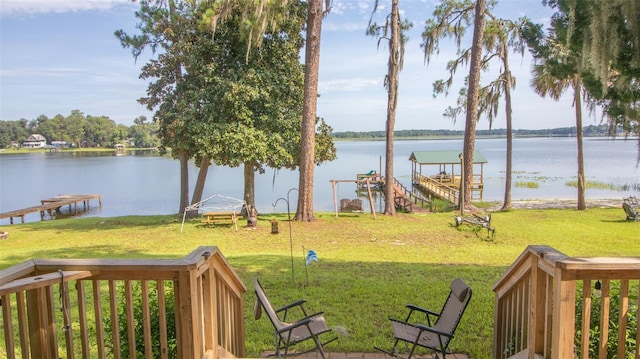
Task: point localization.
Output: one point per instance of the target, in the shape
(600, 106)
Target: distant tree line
(590, 131)
(100, 131)
(80, 130)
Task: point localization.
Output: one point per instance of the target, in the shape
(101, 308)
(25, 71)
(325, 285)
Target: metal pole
(290, 237)
(461, 197)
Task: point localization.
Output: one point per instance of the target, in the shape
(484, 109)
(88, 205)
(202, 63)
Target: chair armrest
(285, 308)
(400, 321)
(432, 330)
(298, 302)
(413, 307)
(427, 313)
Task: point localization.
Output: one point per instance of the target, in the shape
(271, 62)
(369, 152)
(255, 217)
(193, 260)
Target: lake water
(143, 183)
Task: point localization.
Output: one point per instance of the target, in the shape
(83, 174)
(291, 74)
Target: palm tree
(502, 35)
(547, 82)
(451, 20)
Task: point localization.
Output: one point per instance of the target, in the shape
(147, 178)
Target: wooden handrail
(537, 297)
(412, 197)
(68, 306)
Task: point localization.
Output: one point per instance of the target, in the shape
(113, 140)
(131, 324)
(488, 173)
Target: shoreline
(559, 204)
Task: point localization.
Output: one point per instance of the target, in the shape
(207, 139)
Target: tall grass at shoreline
(634, 187)
(367, 270)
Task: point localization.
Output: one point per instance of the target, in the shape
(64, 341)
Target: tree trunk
(472, 100)
(184, 158)
(304, 211)
(507, 100)
(577, 91)
(392, 102)
(198, 190)
(184, 181)
(249, 184)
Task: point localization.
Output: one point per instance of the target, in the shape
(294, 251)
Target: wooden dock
(53, 205)
(440, 187)
(405, 199)
(447, 187)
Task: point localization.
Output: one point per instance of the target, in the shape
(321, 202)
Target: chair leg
(413, 348)
(277, 342)
(319, 346)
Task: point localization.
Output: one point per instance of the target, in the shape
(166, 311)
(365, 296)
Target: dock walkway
(405, 199)
(53, 205)
(447, 187)
(444, 188)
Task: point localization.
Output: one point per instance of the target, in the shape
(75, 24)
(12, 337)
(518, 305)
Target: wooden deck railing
(410, 197)
(97, 308)
(444, 190)
(546, 307)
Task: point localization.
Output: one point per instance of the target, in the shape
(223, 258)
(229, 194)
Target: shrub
(614, 315)
(138, 321)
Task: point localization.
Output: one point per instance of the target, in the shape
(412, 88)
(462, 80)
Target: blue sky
(61, 55)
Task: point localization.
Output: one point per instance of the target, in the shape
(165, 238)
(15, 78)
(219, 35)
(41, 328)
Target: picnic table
(220, 218)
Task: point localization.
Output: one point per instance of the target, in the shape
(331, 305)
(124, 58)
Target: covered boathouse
(438, 173)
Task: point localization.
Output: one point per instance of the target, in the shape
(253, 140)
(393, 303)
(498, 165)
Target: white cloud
(33, 7)
(344, 26)
(350, 85)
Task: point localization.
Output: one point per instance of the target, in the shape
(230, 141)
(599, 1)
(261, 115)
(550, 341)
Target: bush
(138, 321)
(614, 315)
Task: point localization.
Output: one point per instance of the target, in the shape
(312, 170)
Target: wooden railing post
(41, 328)
(189, 329)
(537, 309)
(564, 316)
(209, 310)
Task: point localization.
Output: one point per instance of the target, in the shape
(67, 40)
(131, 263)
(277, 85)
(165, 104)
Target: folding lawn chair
(288, 334)
(435, 335)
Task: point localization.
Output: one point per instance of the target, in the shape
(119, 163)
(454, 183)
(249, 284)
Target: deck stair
(405, 198)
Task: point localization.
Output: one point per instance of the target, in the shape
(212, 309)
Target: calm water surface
(140, 183)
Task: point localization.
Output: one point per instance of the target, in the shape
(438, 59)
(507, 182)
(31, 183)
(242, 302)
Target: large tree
(392, 32)
(472, 103)
(501, 37)
(166, 26)
(315, 13)
(610, 41)
(236, 100)
(451, 18)
(254, 101)
(556, 68)
(259, 16)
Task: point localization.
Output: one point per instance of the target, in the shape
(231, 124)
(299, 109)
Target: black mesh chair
(439, 327)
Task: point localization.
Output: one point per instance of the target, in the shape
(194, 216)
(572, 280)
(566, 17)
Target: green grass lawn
(367, 270)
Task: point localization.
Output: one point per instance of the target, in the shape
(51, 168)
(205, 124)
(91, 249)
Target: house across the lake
(35, 141)
(60, 144)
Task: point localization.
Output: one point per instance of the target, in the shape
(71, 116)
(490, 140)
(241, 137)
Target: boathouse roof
(443, 157)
